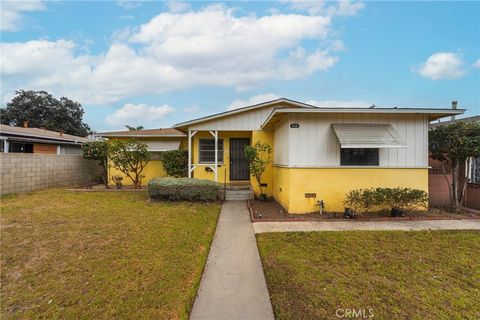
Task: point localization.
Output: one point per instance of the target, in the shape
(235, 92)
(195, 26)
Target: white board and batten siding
(314, 143)
(245, 121)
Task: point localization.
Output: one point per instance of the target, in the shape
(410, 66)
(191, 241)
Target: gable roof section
(153, 133)
(433, 114)
(291, 103)
(39, 133)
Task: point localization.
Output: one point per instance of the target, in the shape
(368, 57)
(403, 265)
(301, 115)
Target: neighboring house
(438, 187)
(38, 140)
(318, 153)
(157, 140)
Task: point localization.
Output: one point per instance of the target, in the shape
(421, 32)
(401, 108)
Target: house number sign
(294, 125)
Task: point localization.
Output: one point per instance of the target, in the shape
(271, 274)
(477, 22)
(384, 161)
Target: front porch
(218, 156)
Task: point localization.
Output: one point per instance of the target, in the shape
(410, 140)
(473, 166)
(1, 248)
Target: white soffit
(368, 136)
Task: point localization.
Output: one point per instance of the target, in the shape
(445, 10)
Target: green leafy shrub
(130, 157)
(97, 151)
(258, 157)
(175, 163)
(185, 189)
(404, 199)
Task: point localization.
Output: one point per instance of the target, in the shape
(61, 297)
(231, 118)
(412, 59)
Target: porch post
(189, 153)
(216, 155)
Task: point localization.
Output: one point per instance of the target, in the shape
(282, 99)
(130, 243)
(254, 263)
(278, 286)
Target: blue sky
(157, 63)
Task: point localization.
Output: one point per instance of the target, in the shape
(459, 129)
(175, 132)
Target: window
(155, 155)
(359, 157)
(20, 147)
(207, 150)
(475, 170)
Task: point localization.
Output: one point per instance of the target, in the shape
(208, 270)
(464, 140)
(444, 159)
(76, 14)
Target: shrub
(403, 199)
(258, 157)
(97, 151)
(129, 157)
(186, 189)
(175, 163)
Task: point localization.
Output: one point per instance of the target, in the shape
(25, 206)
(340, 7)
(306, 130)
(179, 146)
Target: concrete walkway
(233, 285)
(305, 226)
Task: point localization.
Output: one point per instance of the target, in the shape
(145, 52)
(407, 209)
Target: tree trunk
(105, 178)
(259, 180)
(455, 175)
(448, 184)
(466, 165)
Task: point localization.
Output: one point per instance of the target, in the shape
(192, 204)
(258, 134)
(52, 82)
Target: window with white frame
(207, 150)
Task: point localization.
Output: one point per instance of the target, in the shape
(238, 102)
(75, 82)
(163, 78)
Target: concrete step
(238, 194)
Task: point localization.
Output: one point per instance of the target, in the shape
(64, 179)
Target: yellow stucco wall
(264, 136)
(153, 169)
(331, 184)
(281, 183)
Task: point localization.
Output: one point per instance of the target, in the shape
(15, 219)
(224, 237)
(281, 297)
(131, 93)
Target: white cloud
(337, 45)
(178, 6)
(476, 64)
(192, 109)
(138, 114)
(339, 103)
(337, 8)
(11, 13)
(443, 65)
(129, 4)
(239, 103)
(174, 51)
(348, 8)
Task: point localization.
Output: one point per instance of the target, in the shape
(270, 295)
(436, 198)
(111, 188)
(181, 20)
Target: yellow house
(318, 153)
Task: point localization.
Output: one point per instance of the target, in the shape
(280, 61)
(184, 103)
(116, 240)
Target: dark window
(207, 151)
(20, 147)
(359, 157)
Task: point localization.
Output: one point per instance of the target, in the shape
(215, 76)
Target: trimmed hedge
(184, 189)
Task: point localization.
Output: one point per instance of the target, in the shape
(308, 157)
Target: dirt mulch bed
(101, 188)
(270, 210)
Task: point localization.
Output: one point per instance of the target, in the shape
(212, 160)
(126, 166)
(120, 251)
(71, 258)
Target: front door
(239, 169)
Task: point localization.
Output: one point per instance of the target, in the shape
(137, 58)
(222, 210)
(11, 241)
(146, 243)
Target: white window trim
(212, 162)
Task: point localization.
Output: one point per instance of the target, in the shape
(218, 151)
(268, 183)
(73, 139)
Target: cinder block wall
(23, 172)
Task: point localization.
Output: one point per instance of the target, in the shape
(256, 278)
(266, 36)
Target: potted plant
(258, 157)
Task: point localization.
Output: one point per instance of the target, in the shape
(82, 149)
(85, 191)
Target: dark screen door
(239, 169)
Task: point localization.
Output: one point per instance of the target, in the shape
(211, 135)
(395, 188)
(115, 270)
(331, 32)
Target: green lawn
(98, 255)
(399, 275)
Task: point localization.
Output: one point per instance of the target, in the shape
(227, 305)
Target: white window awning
(368, 136)
(162, 145)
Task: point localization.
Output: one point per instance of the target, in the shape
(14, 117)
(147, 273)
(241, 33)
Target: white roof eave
(442, 112)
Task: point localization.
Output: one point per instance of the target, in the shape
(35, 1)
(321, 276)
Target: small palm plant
(258, 157)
